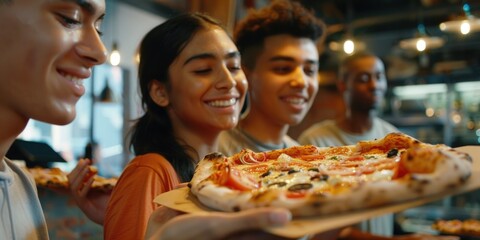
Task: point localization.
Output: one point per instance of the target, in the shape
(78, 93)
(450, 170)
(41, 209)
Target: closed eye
(68, 21)
(99, 32)
(282, 70)
(203, 71)
(310, 71)
(235, 69)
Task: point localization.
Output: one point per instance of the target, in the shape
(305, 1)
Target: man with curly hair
(280, 60)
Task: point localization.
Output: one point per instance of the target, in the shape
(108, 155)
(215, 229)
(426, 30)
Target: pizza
(458, 227)
(57, 179)
(311, 180)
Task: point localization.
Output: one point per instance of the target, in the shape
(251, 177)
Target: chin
(228, 125)
(63, 118)
(295, 120)
(61, 121)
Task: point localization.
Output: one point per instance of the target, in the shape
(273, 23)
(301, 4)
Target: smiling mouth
(76, 80)
(222, 103)
(295, 100)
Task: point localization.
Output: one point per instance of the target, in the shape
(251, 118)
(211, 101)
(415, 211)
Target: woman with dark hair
(192, 88)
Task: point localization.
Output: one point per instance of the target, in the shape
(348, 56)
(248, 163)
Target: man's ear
(159, 93)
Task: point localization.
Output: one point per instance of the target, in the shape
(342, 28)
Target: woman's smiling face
(207, 85)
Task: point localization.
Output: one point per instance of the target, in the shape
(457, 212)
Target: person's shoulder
(386, 125)
(14, 168)
(14, 171)
(150, 164)
(320, 128)
(324, 124)
(152, 160)
(231, 142)
(290, 142)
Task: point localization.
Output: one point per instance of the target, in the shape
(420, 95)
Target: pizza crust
(433, 169)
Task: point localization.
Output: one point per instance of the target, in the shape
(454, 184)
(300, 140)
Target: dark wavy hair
(153, 132)
(280, 17)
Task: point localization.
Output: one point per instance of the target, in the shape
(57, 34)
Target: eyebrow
(210, 55)
(84, 4)
(290, 59)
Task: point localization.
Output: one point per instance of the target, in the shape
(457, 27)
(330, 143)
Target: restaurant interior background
(433, 94)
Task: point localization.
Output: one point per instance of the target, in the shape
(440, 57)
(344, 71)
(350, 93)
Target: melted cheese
(326, 174)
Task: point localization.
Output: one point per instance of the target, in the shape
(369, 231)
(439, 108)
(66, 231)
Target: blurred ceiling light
(422, 41)
(465, 24)
(347, 45)
(115, 55)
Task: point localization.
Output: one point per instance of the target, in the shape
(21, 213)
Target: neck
(263, 131)
(357, 121)
(203, 143)
(12, 126)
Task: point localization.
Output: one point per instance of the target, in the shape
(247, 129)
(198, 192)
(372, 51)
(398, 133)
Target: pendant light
(348, 44)
(114, 57)
(465, 24)
(422, 41)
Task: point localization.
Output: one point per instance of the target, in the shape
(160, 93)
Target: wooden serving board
(181, 200)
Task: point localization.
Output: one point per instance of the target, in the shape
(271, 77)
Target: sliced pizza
(57, 179)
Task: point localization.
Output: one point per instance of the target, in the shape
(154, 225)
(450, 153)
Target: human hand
(92, 203)
(165, 224)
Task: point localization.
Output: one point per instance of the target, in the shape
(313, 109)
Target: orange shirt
(131, 203)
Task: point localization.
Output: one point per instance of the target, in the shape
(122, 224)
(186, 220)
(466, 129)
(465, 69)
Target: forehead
(287, 45)
(213, 40)
(95, 8)
(366, 64)
(92, 6)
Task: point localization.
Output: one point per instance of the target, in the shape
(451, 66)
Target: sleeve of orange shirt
(131, 202)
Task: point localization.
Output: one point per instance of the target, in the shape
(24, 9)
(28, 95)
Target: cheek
(50, 51)
(383, 85)
(258, 90)
(185, 86)
(313, 87)
(266, 83)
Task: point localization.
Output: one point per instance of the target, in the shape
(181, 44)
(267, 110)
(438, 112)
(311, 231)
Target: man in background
(362, 84)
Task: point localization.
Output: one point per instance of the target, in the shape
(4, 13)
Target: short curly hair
(280, 17)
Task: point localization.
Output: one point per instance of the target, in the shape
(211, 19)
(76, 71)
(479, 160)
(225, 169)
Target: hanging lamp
(464, 24)
(422, 41)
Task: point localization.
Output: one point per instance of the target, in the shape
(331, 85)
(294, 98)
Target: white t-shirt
(327, 133)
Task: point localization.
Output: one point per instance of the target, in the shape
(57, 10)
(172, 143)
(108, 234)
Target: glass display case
(442, 110)
(437, 113)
